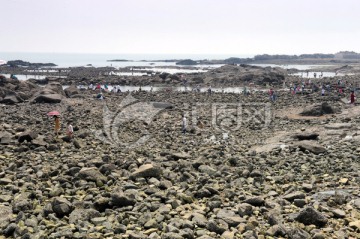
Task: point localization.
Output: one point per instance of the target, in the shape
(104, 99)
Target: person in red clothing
(352, 98)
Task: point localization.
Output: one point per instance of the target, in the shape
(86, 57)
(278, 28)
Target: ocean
(101, 60)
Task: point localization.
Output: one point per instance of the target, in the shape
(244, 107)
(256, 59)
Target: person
(322, 91)
(70, 130)
(100, 96)
(57, 124)
(209, 90)
(184, 124)
(271, 94)
(352, 98)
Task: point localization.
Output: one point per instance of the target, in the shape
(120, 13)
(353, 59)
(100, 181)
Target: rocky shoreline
(272, 174)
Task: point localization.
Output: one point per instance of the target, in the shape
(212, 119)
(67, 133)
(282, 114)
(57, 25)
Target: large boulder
(122, 199)
(48, 98)
(61, 206)
(319, 110)
(28, 136)
(12, 99)
(52, 93)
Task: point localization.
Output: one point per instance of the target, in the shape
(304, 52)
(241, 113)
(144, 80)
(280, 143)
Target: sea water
(102, 60)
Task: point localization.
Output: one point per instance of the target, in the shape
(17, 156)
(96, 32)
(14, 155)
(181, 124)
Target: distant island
(316, 58)
(118, 60)
(20, 63)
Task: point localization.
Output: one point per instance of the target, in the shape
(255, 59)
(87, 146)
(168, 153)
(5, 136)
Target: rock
(61, 206)
(274, 217)
(295, 195)
(28, 136)
(310, 146)
(306, 136)
(337, 126)
(310, 216)
(98, 220)
(162, 105)
(207, 169)
(177, 156)
(355, 225)
(10, 229)
(22, 203)
(357, 203)
(199, 219)
(146, 171)
(5, 137)
(77, 144)
(5, 181)
(338, 213)
(5, 198)
(297, 233)
(78, 215)
(217, 226)
(344, 180)
(319, 109)
(11, 99)
(245, 209)
(307, 187)
(48, 98)
(276, 231)
(229, 217)
(91, 174)
(121, 199)
(255, 201)
(6, 215)
(299, 202)
(71, 91)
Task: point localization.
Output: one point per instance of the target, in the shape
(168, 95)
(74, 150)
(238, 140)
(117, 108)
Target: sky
(244, 27)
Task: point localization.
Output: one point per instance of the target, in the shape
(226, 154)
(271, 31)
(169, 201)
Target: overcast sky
(180, 26)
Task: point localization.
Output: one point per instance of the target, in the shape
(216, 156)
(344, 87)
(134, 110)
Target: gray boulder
(28, 136)
(80, 214)
(91, 174)
(48, 98)
(146, 171)
(6, 215)
(121, 199)
(310, 216)
(61, 206)
(311, 146)
(71, 91)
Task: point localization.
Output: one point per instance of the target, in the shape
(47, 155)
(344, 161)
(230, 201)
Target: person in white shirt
(184, 124)
(70, 130)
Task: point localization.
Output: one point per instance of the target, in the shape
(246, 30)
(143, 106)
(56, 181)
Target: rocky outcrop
(52, 93)
(320, 109)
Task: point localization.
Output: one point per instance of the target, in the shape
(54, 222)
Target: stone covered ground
(278, 175)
